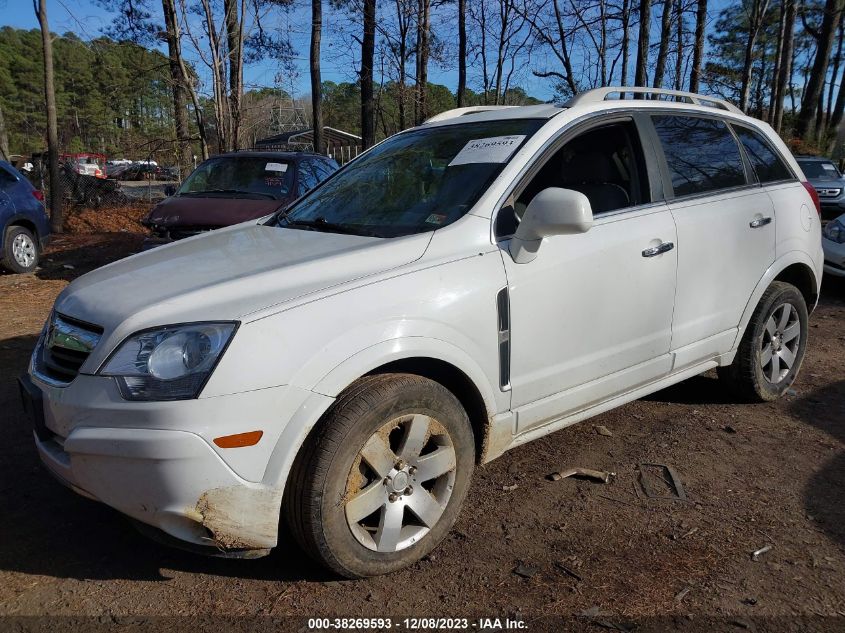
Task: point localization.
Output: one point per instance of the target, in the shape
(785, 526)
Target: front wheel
(772, 348)
(383, 479)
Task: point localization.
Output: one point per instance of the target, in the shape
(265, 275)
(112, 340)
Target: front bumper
(137, 460)
(834, 258)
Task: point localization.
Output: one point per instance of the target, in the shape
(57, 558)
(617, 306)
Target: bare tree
(462, 52)
(316, 80)
(698, 49)
(679, 44)
(818, 73)
(185, 78)
(625, 19)
(368, 46)
(641, 71)
(56, 216)
(663, 50)
(756, 15)
(180, 111)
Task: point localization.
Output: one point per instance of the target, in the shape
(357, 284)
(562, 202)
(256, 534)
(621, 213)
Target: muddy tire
(20, 250)
(772, 348)
(382, 479)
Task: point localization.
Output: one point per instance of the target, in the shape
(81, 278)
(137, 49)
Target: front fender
(375, 356)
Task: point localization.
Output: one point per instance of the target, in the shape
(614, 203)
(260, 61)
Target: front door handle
(758, 222)
(657, 250)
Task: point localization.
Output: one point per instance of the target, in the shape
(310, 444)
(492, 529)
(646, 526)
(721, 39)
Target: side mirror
(553, 211)
(169, 190)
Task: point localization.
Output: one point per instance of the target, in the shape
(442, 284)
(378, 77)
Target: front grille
(65, 346)
(828, 193)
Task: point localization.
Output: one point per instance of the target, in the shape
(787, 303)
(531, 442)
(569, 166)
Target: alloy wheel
(780, 343)
(400, 483)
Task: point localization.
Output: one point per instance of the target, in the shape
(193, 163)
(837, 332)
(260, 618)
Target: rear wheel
(20, 252)
(772, 348)
(383, 480)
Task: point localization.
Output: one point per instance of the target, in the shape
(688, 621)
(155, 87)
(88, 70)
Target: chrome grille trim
(63, 349)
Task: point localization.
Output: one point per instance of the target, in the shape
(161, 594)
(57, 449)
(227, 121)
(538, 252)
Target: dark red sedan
(233, 188)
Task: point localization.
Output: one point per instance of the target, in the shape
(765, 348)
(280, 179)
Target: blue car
(24, 225)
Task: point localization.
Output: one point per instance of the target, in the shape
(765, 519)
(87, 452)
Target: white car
(833, 244)
(462, 288)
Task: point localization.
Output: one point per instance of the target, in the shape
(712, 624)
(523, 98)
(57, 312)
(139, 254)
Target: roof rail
(600, 94)
(456, 112)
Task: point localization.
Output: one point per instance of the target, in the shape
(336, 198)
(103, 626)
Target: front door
(591, 315)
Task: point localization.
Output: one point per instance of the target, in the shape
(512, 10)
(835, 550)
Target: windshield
(414, 182)
(241, 176)
(819, 170)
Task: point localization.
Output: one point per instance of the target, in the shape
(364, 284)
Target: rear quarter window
(767, 163)
(701, 154)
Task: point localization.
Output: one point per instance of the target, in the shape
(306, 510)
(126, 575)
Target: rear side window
(6, 178)
(767, 164)
(702, 154)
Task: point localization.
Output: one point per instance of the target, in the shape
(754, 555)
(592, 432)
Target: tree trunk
(180, 111)
(663, 51)
(4, 138)
(316, 80)
(462, 52)
(679, 59)
(423, 28)
(56, 216)
(368, 47)
(641, 71)
(626, 40)
(823, 120)
(698, 51)
(774, 95)
(235, 45)
(169, 7)
(838, 109)
(816, 80)
(783, 81)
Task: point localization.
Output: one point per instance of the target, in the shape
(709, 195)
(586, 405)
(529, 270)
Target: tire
(769, 357)
(20, 250)
(338, 525)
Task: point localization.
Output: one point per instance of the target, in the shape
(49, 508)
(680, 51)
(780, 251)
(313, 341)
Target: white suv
(462, 288)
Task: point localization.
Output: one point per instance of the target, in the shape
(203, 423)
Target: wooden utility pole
(368, 48)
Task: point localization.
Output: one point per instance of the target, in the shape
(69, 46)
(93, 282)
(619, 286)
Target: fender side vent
(504, 320)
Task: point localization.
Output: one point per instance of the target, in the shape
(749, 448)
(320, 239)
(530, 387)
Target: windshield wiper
(237, 191)
(321, 224)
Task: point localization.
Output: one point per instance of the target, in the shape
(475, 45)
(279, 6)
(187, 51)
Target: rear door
(726, 231)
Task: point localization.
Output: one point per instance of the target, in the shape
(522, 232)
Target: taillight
(38, 194)
(814, 195)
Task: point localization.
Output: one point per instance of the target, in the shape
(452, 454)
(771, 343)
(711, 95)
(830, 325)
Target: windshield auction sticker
(277, 167)
(496, 149)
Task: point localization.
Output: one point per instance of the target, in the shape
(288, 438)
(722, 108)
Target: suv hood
(227, 275)
(211, 212)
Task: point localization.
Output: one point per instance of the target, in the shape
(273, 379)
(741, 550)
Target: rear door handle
(657, 250)
(758, 222)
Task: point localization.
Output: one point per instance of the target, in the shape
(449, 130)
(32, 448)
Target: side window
(701, 153)
(605, 164)
(768, 165)
(305, 178)
(6, 178)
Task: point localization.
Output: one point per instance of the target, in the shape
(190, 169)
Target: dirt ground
(598, 555)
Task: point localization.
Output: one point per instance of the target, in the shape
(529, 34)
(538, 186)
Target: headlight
(168, 363)
(835, 232)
